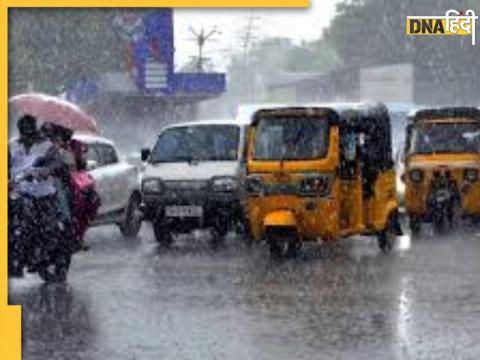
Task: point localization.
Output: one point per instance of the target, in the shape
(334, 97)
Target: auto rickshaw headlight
(470, 175)
(224, 184)
(416, 175)
(318, 185)
(152, 186)
(254, 185)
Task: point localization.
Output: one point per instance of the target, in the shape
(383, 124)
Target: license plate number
(183, 211)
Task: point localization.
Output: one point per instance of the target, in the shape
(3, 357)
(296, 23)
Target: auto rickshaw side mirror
(145, 154)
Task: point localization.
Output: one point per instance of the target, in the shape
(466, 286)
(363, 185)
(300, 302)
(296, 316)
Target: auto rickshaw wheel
(438, 226)
(387, 238)
(283, 243)
(244, 232)
(415, 225)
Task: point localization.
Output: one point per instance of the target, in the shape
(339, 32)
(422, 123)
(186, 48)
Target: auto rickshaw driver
(321, 173)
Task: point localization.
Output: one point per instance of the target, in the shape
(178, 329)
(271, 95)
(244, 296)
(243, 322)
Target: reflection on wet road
(131, 300)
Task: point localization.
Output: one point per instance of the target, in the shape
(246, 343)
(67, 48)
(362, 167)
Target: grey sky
(298, 24)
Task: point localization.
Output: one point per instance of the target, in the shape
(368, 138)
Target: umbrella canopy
(47, 108)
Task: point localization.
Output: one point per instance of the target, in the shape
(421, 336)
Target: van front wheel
(163, 235)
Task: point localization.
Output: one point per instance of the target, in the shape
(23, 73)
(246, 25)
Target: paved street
(132, 300)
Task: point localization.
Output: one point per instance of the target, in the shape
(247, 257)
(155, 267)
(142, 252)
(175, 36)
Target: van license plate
(183, 211)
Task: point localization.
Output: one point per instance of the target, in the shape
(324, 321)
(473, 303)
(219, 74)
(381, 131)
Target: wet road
(131, 300)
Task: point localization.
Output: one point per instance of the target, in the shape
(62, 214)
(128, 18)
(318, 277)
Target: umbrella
(47, 108)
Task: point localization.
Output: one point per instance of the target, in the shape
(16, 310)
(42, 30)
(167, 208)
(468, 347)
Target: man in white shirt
(29, 159)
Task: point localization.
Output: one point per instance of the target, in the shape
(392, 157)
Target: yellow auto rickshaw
(321, 173)
(442, 161)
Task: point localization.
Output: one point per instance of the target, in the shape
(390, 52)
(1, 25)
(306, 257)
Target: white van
(192, 178)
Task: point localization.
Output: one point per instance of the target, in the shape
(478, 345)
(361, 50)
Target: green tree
(372, 32)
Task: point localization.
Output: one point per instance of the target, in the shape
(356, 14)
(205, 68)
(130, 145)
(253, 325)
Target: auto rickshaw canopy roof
(447, 113)
(363, 116)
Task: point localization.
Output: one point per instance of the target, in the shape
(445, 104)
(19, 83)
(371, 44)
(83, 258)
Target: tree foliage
(372, 32)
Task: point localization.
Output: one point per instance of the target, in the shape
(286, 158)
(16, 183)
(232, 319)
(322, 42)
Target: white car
(117, 184)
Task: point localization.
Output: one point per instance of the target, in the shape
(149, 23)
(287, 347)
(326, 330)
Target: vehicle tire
(415, 226)
(133, 218)
(218, 236)
(475, 220)
(283, 244)
(163, 235)
(244, 232)
(56, 271)
(15, 268)
(15, 265)
(387, 238)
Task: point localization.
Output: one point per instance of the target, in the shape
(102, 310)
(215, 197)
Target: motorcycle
(37, 240)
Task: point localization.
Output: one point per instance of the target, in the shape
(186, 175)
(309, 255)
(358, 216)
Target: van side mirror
(91, 165)
(145, 154)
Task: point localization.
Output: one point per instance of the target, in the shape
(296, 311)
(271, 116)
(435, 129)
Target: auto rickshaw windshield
(291, 138)
(445, 137)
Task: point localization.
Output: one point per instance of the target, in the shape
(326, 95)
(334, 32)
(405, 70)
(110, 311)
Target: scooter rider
(32, 159)
(26, 153)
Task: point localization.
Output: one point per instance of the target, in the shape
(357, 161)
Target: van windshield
(291, 139)
(197, 143)
(445, 138)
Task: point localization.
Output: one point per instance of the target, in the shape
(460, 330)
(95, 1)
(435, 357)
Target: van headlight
(416, 175)
(254, 185)
(152, 186)
(470, 175)
(224, 184)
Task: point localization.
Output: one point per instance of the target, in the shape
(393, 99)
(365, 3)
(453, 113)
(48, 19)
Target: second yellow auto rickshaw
(442, 162)
(321, 173)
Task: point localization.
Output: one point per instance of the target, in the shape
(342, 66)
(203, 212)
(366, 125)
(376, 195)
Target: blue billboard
(150, 52)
